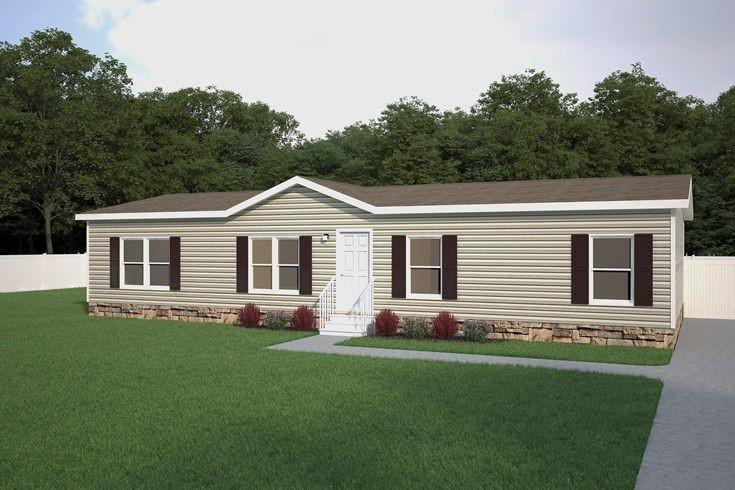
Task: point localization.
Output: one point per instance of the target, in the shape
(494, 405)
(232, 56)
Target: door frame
(340, 231)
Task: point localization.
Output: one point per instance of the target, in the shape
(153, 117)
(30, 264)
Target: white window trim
(146, 264)
(592, 269)
(274, 266)
(409, 294)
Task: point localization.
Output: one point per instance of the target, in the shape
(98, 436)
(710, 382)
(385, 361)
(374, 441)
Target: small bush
(415, 327)
(476, 330)
(277, 320)
(386, 323)
(250, 316)
(445, 326)
(303, 318)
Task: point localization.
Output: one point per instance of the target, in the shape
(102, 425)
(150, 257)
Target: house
(576, 260)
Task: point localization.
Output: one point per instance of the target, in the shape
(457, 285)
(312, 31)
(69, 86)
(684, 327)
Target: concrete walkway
(692, 442)
(326, 344)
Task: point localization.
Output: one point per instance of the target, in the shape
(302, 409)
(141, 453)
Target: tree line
(74, 136)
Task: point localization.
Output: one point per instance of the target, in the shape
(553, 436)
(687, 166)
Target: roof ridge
(319, 179)
(198, 193)
(479, 182)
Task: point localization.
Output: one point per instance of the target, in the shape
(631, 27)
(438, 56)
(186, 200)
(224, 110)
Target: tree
(531, 91)
(321, 157)
(410, 146)
(650, 127)
(360, 143)
(524, 127)
(55, 100)
(73, 137)
(713, 230)
(198, 139)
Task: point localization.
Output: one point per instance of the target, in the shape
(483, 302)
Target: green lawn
(114, 402)
(642, 356)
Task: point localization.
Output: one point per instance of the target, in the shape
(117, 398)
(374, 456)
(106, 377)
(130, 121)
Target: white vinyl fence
(37, 272)
(709, 287)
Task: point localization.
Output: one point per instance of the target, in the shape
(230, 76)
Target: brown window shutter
(398, 266)
(241, 264)
(580, 269)
(114, 262)
(643, 269)
(449, 267)
(305, 265)
(174, 268)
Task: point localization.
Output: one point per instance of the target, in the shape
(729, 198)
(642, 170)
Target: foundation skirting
(181, 313)
(634, 336)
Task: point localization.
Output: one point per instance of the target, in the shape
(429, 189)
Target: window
(424, 270)
(611, 271)
(288, 264)
(262, 264)
(145, 263)
(275, 265)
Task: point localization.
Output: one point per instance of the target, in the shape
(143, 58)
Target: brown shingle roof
(652, 187)
(645, 188)
(199, 201)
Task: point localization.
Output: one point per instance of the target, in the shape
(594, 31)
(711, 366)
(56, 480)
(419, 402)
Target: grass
(116, 402)
(641, 356)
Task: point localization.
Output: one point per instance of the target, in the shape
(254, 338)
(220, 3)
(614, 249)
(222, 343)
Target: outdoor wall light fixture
(325, 237)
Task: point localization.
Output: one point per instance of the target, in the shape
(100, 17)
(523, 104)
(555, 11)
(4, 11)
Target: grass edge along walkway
(636, 356)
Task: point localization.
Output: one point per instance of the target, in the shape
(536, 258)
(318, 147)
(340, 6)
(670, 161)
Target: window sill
(610, 302)
(284, 292)
(146, 288)
(433, 297)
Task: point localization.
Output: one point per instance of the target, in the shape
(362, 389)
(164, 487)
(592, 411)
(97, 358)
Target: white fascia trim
(140, 216)
(294, 181)
(536, 207)
(688, 211)
(398, 210)
(672, 268)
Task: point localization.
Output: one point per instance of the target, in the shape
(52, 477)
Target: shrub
(386, 323)
(276, 320)
(250, 316)
(445, 326)
(415, 327)
(303, 318)
(476, 330)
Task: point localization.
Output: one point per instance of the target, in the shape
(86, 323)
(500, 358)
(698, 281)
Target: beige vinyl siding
(679, 262)
(512, 266)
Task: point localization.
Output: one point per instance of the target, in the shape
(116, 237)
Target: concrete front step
(343, 325)
(339, 333)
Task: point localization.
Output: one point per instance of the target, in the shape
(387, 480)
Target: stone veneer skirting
(209, 314)
(664, 338)
(500, 329)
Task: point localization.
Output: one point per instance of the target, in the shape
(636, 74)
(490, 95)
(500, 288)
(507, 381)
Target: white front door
(353, 266)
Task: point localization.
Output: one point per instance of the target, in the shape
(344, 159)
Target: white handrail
(363, 312)
(327, 302)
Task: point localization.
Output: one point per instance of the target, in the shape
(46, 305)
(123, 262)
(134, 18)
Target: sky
(332, 63)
